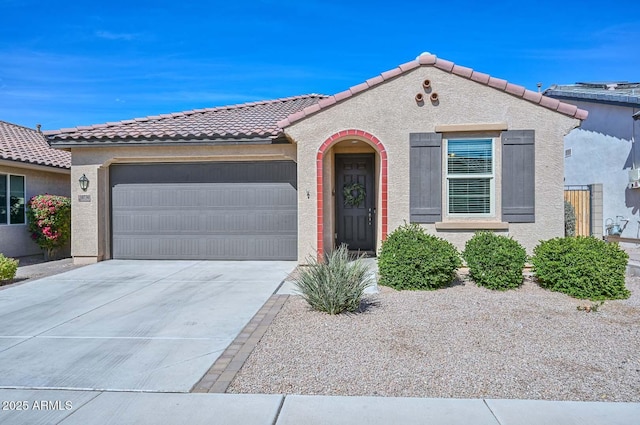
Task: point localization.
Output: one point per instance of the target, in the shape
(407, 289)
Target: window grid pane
(16, 200)
(470, 196)
(469, 157)
(469, 174)
(3, 199)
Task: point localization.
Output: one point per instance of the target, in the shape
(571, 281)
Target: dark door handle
(370, 215)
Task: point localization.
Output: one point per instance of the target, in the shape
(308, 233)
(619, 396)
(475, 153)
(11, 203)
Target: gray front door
(355, 210)
(209, 211)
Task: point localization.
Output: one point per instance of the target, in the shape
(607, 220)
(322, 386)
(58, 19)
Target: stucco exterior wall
(389, 112)
(603, 151)
(15, 240)
(91, 220)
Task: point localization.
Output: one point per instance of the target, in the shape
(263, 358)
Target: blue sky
(70, 63)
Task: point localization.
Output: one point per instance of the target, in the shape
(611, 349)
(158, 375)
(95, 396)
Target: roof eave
(35, 166)
(69, 143)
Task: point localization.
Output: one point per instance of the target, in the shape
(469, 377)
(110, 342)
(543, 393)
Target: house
(28, 167)
(603, 152)
(429, 142)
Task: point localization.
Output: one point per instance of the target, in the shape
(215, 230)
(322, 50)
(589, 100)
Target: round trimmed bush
(8, 268)
(495, 261)
(412, 259)
(582, 267)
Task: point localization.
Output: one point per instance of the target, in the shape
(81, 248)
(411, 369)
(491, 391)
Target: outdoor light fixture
(84, 183)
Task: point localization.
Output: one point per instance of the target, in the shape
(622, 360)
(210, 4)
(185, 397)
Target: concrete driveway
(129, 325)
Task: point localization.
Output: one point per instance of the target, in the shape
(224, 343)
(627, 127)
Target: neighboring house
(603, 151)
(428, 142)
(28, 167)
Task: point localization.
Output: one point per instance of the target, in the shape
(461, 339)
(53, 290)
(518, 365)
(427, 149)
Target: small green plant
(334, 284)
(495, 261)
(412, 259)
(8, 268)
(569, 219)
(582, 267)
(590, 307)
(49, 218)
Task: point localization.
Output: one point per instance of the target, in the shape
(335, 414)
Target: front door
(355, 201)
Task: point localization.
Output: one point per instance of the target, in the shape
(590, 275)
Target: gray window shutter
(425, 172)
(518, 176)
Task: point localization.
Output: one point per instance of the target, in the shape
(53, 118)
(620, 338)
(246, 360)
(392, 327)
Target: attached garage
(207, 211)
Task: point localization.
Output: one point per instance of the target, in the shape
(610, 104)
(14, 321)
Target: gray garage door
(214, 211)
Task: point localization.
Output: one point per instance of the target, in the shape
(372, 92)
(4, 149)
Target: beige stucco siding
(389, 112)
(15, 240)
(91, 220)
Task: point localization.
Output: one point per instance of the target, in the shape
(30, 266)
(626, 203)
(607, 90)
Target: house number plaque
(84, 198)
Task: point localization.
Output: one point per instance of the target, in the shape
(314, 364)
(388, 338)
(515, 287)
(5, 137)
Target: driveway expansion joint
(223, 371)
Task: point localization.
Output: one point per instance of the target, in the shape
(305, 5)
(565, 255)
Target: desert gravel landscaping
(463, 341)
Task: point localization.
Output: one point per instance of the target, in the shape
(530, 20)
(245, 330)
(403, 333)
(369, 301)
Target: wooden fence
(580, 198)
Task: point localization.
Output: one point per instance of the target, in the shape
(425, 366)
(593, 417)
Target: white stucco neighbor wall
(602, 151)
(389, 112)
(91, 220)
(15, 240)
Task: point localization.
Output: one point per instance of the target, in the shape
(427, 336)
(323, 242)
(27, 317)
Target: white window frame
(7, 177)
(491, 177)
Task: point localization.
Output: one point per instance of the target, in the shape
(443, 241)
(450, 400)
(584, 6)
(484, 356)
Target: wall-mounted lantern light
(84, 183)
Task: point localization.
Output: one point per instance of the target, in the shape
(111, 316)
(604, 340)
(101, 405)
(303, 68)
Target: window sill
(472, 225)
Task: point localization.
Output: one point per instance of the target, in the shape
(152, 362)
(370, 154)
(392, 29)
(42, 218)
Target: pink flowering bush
(49, 218)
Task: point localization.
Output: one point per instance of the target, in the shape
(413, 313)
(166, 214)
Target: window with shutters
(470, 177)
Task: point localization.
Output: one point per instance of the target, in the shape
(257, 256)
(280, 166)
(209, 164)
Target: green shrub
(495, 261)
(49, 218)
(335, 284)
(569, 219)
(8, 268)
(412, 259)
(582, 267)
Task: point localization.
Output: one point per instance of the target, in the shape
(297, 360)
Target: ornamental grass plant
(335, 283)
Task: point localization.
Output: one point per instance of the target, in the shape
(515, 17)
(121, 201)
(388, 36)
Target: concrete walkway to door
(129, 325)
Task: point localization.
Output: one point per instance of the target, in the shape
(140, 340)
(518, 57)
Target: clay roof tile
(243, 120)
(27, 145)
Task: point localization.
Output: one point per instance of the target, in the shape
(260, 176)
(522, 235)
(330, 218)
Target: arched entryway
(351, 150)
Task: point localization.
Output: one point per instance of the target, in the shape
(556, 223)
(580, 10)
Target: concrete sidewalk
(97, 408)
(633, 265)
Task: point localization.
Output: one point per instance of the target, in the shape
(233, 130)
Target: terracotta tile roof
(427, 59)
(27, 145)
(247, 120)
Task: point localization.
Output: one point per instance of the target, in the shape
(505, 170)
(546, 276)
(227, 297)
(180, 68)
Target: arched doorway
(351, 160)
